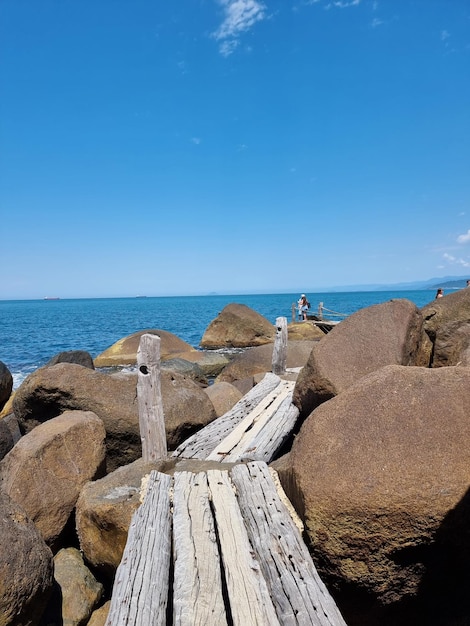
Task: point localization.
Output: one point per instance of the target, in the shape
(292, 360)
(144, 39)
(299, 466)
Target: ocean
(33, 331)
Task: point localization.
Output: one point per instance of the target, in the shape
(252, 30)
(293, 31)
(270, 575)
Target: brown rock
(259, 360)
(124, 351)
(99, 617)
(51, 390)
(104, 510)
(6, 439)
(299, 331)
(80, 592)
(371, 338)
(223, 397)
(452, 344)
(6, 384)
(454, 307)
(47, 468)
(210, 362)
(238, 326)
(26, 570)
(380, 475)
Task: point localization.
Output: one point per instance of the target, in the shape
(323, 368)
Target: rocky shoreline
(378, 469)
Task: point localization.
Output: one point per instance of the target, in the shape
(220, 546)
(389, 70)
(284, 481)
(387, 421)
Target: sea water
(33, 331)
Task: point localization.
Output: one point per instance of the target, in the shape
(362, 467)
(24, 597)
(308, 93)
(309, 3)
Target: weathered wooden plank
(250, 602)
(201, 444)
(279, 359)
(239, 443)
(298, 593)
(149, 399)
(197, 588)
(140, 592)
(264, 444)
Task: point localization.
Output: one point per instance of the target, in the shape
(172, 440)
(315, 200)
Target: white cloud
(454, 260)
(239, 16)
(465, 238)
(196, 140)
(343, 5)
(445, 35)
(376, 22)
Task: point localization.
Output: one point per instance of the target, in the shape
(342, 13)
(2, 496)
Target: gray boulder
(26, 569)
(371, 338)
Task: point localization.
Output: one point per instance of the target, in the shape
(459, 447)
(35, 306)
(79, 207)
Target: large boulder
(259, 360)
(299, 331)
(455, 307)
(49, 391)
(104, 510)
(46, 470)
(223, 397)
(238, 326)
(380, 475)
(6, 384)
(452, 344)
(78, 592)
(450, 309)
(6, 439)
(80, 357)
(379, 335)
(26, 567)
(124, 351)
(211, 362)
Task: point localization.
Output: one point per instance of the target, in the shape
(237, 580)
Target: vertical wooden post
(294, 312)
(149, 399)
(320, 311)
(280, 347)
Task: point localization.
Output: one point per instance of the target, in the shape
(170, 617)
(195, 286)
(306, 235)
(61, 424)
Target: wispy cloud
(376, 22)
(465, 238)
(196, 140)
(239, 16)
(343, 4)
(445, 35)
(455, 261)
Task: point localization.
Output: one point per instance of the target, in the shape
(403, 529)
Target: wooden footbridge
(221, 546)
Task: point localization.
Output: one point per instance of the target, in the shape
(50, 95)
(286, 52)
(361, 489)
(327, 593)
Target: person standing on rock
(304, 306)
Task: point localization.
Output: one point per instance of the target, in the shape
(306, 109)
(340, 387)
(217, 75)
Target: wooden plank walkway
(254, 429)
(238, 556)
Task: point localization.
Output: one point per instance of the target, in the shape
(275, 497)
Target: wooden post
(280, 347)
(149, 399)
(294, 312)
(320, 311)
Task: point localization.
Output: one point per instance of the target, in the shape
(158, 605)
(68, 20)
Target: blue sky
(232, 146)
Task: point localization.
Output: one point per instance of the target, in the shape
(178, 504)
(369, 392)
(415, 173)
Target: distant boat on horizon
(141, 296)
(51, 298)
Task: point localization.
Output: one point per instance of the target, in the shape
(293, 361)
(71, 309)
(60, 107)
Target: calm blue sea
(33, 331)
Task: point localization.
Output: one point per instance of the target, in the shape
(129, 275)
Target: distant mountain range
(445, 282)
